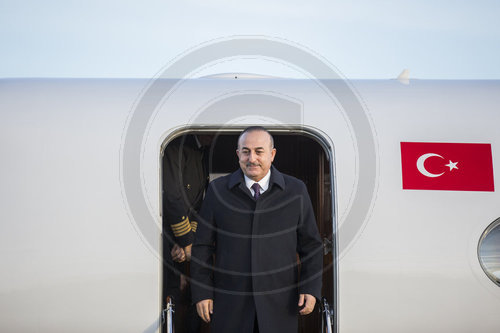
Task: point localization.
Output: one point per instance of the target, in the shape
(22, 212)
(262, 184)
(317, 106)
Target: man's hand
(187, 252)
(310, 301)
(177, 253)
(205, 308)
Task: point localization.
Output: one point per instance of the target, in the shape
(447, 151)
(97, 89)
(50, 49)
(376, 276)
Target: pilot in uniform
(185, 177)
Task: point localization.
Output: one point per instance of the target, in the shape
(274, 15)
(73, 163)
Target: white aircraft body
(80, 242)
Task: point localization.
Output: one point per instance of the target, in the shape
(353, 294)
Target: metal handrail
(327, 314)
(168, 315)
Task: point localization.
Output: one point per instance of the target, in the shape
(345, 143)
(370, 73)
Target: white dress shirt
(263, 183)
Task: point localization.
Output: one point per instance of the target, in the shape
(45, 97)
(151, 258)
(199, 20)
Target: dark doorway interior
(301, 156)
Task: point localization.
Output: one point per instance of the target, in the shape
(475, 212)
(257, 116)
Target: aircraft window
(489, 251)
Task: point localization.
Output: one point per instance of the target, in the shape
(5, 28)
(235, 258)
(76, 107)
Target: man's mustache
(252, 164)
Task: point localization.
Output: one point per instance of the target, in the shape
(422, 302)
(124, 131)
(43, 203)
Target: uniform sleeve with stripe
(175, 205)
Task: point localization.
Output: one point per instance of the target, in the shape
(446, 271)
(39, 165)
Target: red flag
(447, 166)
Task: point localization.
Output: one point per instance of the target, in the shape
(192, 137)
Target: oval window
(489, 251)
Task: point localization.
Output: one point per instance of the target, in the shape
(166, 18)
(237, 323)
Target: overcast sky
(446, 39)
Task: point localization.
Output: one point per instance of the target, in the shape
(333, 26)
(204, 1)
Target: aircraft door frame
(326, 190)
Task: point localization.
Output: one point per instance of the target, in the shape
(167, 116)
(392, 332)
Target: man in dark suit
(254, 222)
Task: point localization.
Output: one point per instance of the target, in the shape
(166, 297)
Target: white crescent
(421, 168)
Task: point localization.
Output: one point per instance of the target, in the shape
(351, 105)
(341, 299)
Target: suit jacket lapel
(236, 179)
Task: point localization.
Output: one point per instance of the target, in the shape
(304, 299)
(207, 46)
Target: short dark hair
(254, 129)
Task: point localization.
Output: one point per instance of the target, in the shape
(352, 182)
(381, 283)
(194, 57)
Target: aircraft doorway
(301, 155)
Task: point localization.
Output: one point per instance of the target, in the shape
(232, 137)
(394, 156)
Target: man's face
(255, 154)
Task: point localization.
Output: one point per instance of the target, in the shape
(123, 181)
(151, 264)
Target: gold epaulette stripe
(182, 232)
(181, 228)
(194, 225)
(181, 224)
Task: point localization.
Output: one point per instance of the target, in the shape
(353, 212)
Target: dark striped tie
(256, 189)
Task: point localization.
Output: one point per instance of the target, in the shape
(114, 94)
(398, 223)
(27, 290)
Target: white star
(452, 165)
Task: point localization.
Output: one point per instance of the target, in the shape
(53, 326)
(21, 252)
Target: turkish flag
(447, 166)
